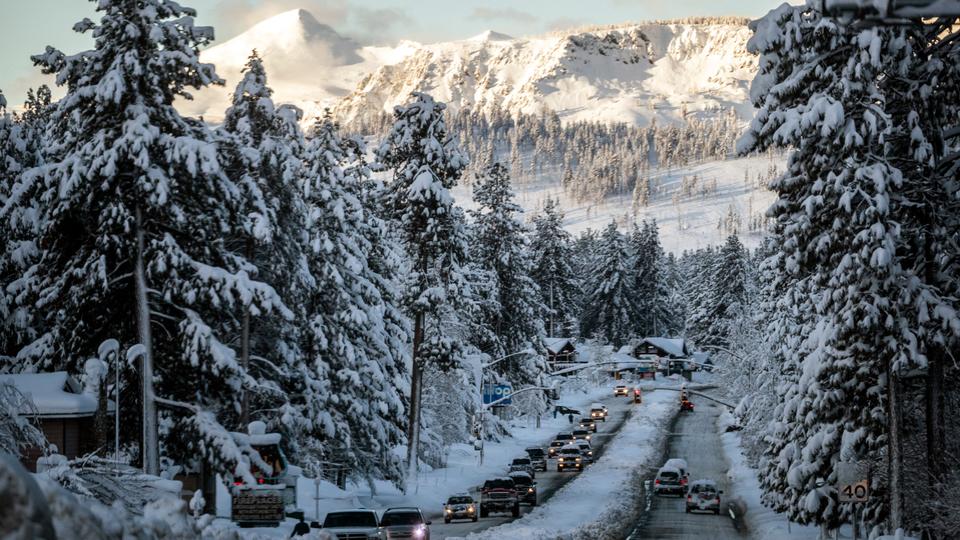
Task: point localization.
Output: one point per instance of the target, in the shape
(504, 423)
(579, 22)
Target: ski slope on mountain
(688, 223)
(634, 73)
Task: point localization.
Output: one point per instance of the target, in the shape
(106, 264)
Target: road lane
(548, 482)
(695, 438)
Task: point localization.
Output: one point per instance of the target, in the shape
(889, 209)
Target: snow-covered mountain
(630, 72)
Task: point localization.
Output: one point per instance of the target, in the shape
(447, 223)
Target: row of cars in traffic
(673, 479)
(571, 450)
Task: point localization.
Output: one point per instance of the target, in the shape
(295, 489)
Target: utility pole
(151, 444)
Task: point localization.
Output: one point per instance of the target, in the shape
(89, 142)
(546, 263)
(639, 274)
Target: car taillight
(657, 482)
(689, 498)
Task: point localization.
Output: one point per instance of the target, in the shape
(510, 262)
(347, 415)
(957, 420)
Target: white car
(353, 524)
(620, 390)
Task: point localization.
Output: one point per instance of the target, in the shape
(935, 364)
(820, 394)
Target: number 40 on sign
(852, 483)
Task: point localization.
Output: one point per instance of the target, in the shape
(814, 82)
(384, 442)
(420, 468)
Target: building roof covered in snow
(557, 345)
(674, 347)
(53, 394)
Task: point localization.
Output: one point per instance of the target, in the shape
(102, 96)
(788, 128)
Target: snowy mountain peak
(491, 35)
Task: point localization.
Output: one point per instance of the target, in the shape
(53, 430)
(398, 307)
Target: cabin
(662, 348)
(61, 410)
(627, 363)
(561, 353)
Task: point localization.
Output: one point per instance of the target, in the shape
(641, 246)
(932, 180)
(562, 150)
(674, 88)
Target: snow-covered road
(696, 439)
(548, 483)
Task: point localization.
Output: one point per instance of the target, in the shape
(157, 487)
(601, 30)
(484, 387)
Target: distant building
(561, 353)
(663, 348)
(61, 410)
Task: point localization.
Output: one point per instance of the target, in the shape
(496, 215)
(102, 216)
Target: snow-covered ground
(462, 473)
(762, 522)
(690, 223)
(590, 500)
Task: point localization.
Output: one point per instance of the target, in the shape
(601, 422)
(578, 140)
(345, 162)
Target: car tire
(474, 519)
(515, 512)
(446, 520)
(483, 511)
(688, 509)
(716, 512)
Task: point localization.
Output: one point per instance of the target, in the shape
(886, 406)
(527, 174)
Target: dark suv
(526, 487)
(499, 495)
(538, 457)
(405, 522)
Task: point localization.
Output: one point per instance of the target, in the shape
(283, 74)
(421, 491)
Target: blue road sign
(493, 392)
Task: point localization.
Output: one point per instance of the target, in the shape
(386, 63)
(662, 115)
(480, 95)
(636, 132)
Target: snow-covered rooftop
(672, 346)
(556, 344)
(52, 394)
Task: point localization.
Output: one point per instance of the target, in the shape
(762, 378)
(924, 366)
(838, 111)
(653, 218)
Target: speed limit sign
(852, 484)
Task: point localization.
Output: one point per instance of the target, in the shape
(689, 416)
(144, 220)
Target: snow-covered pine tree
(851, 239)
(261, 152)
(554, 272)
(652, 297)
(133, 205)
(727, 298)
(610, 309)
(499, 245)
(426, 163)
(354, 368)
(697, 270)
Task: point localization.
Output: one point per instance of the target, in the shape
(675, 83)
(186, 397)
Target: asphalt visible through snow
(548, 482)
(695, 438)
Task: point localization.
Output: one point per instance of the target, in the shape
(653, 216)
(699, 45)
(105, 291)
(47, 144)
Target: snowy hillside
(628, 73)
(631, 72)
(689, 222)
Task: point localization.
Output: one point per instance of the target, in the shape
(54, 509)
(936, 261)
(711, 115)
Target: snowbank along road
(695, 438)
(548, 482)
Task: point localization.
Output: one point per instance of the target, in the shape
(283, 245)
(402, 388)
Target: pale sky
(28, 26)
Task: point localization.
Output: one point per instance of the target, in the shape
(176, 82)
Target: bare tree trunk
(416, 383)
(933, 414)
(151, 443)
(895, 448)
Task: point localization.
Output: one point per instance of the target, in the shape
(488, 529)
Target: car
(668, 481)
(581, 434)
(566, 410)
(405, 522)
(680, 465)
(569, 457)
(703, 495)
(620, 390)
(526, 487)
(361, 524)
(555, 446)
(586, 450)
(686, 405)
(523, 464)
(598, 412)
(588, 423)
(460, 506)
(499, 495)
(538, 457)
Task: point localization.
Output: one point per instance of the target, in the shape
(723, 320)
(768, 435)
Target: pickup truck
(538, 457)
(499, 495)
(526, 487)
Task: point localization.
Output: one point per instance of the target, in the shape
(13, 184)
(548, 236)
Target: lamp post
(480, 379)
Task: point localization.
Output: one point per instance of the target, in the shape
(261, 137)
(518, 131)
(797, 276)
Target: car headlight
(530, 490)
(419, 531)
(448, 510)
(470, 508)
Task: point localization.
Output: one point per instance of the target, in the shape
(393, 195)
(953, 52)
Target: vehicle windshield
(564, 436)
(401, 518)
(581, 432)
(705, 489)
(521, 461)
(535, 452)
(522, 480)
(558, 443)
(500, 483)
(570, 451)
(460, 500)
(669, 475)
(350, 519)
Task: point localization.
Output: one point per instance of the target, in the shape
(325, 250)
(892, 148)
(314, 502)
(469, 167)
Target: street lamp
(480, 379)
